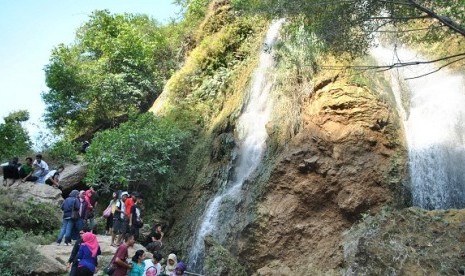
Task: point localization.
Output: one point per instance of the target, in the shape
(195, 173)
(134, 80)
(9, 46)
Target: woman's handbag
(107, 212)
(110, 269)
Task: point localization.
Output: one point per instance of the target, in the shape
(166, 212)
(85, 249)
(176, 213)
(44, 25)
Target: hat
(181, 266)
(124, 194)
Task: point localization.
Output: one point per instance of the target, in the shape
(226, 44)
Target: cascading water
(434, 129)
(252, 134)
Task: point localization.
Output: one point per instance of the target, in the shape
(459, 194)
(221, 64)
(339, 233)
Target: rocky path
(56, 256)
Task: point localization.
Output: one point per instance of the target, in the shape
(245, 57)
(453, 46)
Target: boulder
(39, 192)
(72, 176)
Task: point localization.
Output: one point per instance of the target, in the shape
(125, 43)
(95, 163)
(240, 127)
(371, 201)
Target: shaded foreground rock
(56, 256)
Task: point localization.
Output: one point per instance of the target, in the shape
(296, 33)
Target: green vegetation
(349, 26)
(18, 253)
(14, 139)
(28, 216)
(117, 66)
(64, 151)
(142, 152)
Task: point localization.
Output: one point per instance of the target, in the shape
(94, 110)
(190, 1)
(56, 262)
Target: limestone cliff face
(345, 161)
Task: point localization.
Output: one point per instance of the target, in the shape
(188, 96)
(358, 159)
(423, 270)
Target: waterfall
(435, 131)
(252, 136)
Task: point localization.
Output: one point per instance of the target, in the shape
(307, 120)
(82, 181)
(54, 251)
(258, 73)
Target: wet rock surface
(336, 168)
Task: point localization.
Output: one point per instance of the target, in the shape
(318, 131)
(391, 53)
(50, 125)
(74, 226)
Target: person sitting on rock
(155, 244)
(26, 170)
(41, 168)
(53, 177)
(11, 171)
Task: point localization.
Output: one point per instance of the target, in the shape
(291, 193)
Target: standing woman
(138, 265)
(112, 206)
(87, 255)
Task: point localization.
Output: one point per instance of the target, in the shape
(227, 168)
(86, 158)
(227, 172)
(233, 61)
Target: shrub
(64, 152)
(18, 253)
(142, 151)
(28, 216)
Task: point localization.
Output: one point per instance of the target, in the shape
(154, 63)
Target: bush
(18, 253)
(141, 152)
(28, 216)
(64, 152)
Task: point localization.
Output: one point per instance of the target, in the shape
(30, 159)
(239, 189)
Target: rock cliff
(343, 162)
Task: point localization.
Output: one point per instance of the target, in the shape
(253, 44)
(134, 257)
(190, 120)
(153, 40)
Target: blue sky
(29, 29)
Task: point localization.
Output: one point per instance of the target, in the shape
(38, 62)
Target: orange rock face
(342, 163)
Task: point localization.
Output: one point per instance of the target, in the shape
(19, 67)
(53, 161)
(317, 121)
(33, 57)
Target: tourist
(80, 221)
(73, 260)
(53, 177)
(41, 168)
(26, 170)
(87, 255)
(91, 199)
(138, 265)
(70, 205)
(171, 264)
(11, 171)
(119, 220)
(153, 266)
(112, 207)
(179, 269)
(155, 244)
(129, 202)
(119, 259)
(135, 218)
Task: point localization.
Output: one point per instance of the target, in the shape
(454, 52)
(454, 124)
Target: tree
(14, 139)
(140, 152)
(349, 26)
(117, 65)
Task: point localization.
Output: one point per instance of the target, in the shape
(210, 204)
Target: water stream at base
(435, 131)
(252, 134)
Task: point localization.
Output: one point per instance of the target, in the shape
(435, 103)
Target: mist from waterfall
(252, 135)
(434, 126)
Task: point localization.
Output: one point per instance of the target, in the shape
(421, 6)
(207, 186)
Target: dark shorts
(119, 226)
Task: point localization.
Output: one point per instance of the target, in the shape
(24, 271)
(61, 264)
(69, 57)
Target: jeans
(66, 229)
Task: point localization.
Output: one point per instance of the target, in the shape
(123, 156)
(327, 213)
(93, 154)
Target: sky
(29, 29)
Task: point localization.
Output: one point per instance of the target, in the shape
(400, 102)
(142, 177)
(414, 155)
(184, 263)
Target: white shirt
(51, 173)
(42, 166)
(148, 264)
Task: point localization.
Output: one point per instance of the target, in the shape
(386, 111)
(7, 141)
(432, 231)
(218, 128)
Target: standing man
(91, 199)
(41, 168)
(135, 219)
(119, 220)
(119, 259)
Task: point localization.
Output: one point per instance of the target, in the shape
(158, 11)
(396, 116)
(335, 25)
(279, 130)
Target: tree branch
(396, 64)
(444, 20)
(399, 18)
(434, 71)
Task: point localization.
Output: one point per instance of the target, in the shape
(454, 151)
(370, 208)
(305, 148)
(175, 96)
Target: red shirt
(128, 205)
(122, 254)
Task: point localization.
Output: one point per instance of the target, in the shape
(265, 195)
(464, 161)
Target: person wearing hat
(119, 220)
(179, 270)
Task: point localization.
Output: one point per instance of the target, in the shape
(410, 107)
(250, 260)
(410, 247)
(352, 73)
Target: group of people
(78, 211)
(83, 260)
(124, 220)
(33, 171)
